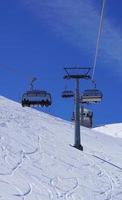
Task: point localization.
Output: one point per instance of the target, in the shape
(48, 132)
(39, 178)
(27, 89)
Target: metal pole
(77, 118)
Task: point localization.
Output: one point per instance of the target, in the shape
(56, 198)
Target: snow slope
(37, 162)
(114, 130)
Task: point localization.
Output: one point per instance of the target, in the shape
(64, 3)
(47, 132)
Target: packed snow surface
(114, 130)
(37, 162)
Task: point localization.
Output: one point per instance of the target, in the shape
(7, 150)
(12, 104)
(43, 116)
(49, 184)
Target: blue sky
(39, 38)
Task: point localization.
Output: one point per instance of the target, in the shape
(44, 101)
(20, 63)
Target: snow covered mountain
(37, 162)
(114, 130)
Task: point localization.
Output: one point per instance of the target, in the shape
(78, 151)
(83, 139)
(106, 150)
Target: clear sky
(41, 37)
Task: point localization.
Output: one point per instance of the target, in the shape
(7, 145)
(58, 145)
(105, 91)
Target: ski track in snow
(114, 179)
(103, 172)
(36, 161)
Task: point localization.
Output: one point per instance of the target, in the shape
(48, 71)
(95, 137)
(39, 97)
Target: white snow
(114, 130)
(37, 162)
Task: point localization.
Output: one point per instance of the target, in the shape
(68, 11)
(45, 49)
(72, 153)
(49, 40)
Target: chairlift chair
(67, 94)
(36, 98)
(91, 96)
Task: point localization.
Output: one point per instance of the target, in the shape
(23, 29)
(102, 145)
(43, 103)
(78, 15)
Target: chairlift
(91, 96)
(67, 94)
(36, 97)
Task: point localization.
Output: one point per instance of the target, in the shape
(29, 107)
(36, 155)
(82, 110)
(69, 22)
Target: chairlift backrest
(36, 92)
(92, 92)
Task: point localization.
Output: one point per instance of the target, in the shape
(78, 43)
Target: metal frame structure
(84, 75)
(77, 76)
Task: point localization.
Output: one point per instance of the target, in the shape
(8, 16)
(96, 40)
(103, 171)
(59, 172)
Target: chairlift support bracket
(31, 84)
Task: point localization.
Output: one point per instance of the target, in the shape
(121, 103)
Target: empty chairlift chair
(91, 96)
(67, 94)
(36, 98)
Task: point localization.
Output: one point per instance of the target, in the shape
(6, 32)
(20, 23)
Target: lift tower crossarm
(77, 76)
(82, 75)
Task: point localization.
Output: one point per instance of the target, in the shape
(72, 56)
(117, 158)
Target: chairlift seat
(67, 94)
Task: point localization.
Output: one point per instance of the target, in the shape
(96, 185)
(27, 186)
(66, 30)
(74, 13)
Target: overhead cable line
(98, 37)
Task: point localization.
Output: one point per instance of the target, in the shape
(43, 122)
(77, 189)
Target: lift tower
(77, 74)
